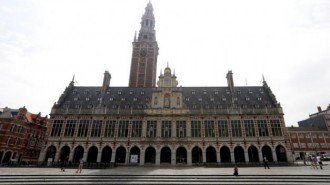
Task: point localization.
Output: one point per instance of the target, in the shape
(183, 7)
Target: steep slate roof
(86, 97)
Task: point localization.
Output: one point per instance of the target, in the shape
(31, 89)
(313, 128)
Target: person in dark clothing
(265, 163)
(235, 171)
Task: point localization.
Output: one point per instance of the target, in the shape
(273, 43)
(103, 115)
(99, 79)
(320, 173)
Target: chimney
(106, 81)
(230, 80)
(319, 109)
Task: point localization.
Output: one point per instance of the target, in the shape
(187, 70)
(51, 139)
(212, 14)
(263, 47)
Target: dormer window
(211, 99)
(259, 98)
(235, 99)
(74, 91)
(111, 99)
(216, 92)
(227, 92)
(119, 92)
(204, 92)
(247, 99)
(200, 99)
(99, 99)
(224, 99)
(123, 99)
(194, 107)
(131, 92)
(142, 92)
(86, 92)
(87, 99)
(98, 92)
(77, 106)
(238, 92)
(250, 91)
(193, 92)
(187, 99)
(89, 106)
(134, 99)
(108, 92)
(114, 106)
(76, 99)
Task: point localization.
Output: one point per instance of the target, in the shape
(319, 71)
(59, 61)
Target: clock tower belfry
(145, 53)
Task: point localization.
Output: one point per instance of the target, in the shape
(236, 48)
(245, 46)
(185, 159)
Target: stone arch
(267, 152)
(50, 153)
(165, 155)
(92, 154)
(150, 155)
(106, 154)
(181, 155)
(225, 154)
(135, 151)
(197, 155)
(78, 154)
(64, 153)
(239, 154)
(253, 154)
(281, 153)
(121, 154)
(211, 155)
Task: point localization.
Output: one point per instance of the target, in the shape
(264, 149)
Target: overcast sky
(43, 43)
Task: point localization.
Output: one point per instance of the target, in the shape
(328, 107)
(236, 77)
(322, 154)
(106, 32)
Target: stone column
(85, 155)
(142, 158)
(127, 156)
(71, 155)
(246, 155)
(204, 156)
(218, 157)
(41, 155)
(113, 156)
(189, 160)
(274, 156)
(57, 155)
(99, 155)
(157, 158)
(232, 156)
(260, 156)
(173, 158)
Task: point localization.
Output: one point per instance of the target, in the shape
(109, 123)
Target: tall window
(249, 128)
(12, 128)
(166, 128)
(151, 128)
(196, 128)
(69, 129)
(236, 128)
(123, 128)
(57, 127)
(96, 128)
(262, 127)
(83, 128)
(209, 128)
(136, 128)
(181, 128)
(223, 128)
(276, 127)
(109, 128)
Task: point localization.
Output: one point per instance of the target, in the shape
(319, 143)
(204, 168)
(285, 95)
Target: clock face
(143, 53)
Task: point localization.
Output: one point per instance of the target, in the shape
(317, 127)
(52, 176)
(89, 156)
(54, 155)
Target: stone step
(164, 179)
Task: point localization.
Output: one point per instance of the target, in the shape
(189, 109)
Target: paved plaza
(137, 170)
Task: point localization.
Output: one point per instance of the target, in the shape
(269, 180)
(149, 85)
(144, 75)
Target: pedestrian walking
(235, 171)
(320, 162)
(61, 165)
(81, 164)
(265, 163)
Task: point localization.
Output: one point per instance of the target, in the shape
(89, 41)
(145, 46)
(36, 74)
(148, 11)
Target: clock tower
(145, 52)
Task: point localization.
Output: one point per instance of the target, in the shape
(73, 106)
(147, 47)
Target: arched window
(178, 101)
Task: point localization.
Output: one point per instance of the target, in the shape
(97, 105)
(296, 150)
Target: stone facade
(167, 124)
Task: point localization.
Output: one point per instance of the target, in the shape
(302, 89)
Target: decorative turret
(106, 81)
(167, 80)
(230, 81)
